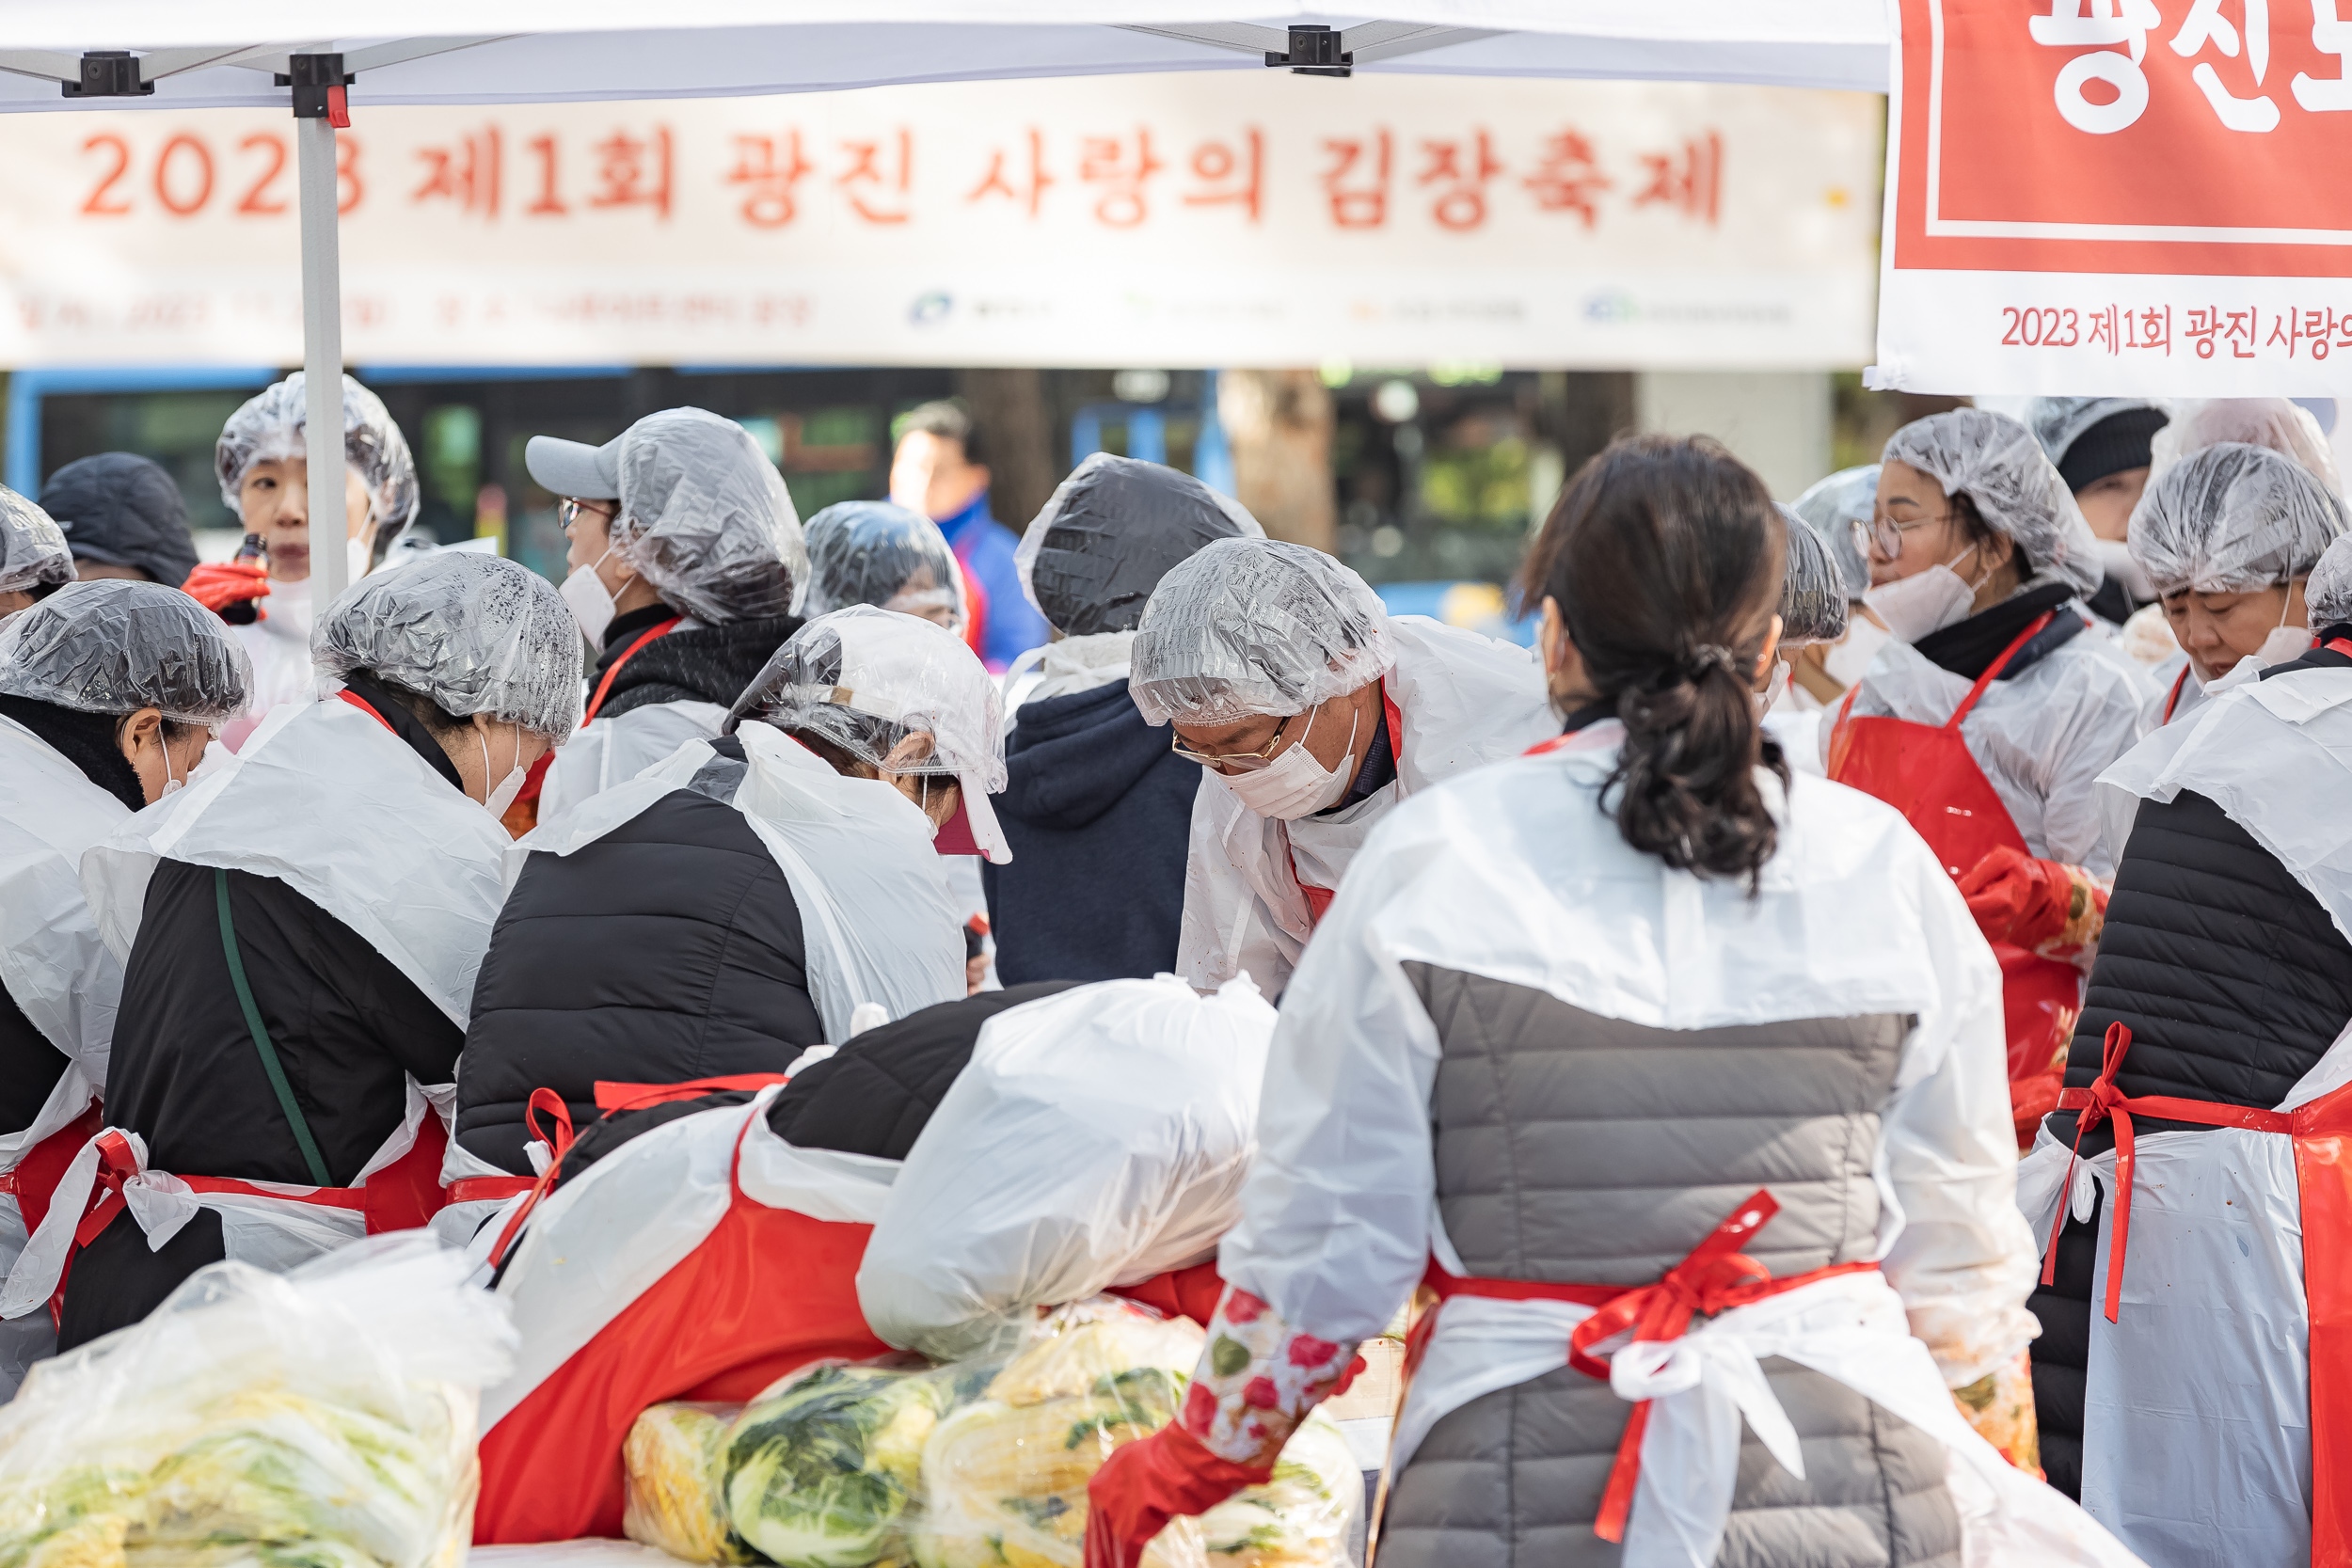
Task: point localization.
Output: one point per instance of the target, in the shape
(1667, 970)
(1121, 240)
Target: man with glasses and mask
(1313, 712)
(687, 563)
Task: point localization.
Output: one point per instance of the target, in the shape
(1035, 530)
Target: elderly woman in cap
(1995, 707)
(300, 935)
(109, 692)
(742, 901)
(686, 564)
(2227, 537)
(1314, 712)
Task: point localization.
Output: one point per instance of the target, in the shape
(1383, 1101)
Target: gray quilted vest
(1573, 1147)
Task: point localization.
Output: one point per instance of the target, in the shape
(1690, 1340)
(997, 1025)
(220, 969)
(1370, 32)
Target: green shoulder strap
(261, 1037)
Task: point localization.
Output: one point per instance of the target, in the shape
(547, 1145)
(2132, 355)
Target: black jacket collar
(405, 726)
(1966, 647)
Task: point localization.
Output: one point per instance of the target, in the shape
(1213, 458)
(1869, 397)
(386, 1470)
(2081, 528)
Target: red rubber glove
(219, 584)
(2018, 899)
(1145, 1483)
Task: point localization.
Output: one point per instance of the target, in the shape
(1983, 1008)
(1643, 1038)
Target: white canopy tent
(328, 57)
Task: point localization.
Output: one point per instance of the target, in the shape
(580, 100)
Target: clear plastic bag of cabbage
(675, 1491)
(321, 1418)
(1004, 1477)
(821, 1469)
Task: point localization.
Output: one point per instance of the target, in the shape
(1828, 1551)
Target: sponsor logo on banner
(2119, 196)
(1208, 219)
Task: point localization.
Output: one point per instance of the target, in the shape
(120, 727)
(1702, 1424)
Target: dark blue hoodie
(1098, 812)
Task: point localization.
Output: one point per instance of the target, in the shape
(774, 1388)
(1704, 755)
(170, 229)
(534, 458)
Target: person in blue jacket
(941, 470)
(1088, 784)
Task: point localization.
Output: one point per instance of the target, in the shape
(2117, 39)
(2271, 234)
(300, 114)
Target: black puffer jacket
(692, 664)
(2233, 982)
(668, 950)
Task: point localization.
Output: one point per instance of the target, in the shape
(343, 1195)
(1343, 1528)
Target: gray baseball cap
(574, 468)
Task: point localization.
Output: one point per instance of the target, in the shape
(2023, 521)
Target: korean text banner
(2108, 196)
(1185, 221)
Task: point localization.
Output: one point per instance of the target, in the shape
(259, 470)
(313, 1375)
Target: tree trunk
(1279, 425)
(1010, 408)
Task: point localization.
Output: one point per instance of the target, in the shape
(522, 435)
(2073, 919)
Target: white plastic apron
(1850, 1327)
(52, 966)
(332, 803)
(2199, 1404)
(52, 963)
(1462, 700)
(877, 921)
(614, 751)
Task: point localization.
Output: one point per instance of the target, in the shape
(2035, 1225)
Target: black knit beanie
(2118, 442)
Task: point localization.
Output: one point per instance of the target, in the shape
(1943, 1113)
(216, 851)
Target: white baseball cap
(867, 679)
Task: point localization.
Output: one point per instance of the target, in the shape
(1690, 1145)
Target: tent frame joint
(108, 73)
(1314, 50)
(318, 82)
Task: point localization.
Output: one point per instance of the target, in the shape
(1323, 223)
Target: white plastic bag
(325, 1416)
(1099, 1136)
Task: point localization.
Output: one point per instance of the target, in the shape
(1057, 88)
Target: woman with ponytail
(1639, 1038)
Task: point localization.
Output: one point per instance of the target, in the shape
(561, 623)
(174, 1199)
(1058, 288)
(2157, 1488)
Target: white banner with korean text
(2119, 196)
(1194, 220)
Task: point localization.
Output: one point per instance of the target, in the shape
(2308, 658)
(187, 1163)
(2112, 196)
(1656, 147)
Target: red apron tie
(2103, 1102)
(1715, 1277)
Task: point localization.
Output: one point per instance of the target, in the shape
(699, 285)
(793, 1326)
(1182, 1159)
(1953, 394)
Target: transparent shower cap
(705, 519)
(2327, 595)
(2233, 517)
(1812, 588)
(1832, 508)
(879, 553)
(273, 424)
(32, 548)
(867, 678)
(476, 633)
(2273, 422)
(1999, 465)
(2058, 423)
(1250, 627)
(1092, 557)
(116, 646)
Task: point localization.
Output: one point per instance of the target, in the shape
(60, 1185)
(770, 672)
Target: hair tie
(1710, 655)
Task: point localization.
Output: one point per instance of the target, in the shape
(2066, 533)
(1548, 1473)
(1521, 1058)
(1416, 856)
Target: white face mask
(1851, 659)
(1294, 785)
(356, 553)
(590, 600)
(2115, 558)
(502, 795)
(1924, 602)
(2285, 643)
(1774, 689)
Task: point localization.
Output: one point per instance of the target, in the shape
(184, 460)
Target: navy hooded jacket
(1098, 812)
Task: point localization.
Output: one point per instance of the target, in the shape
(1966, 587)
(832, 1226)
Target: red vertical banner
(2118, 197)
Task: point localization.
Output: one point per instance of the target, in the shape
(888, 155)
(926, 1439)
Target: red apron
(2172, 698)
(1925, 772)
(2321, 1133)
(523, 815)
(1319, 899)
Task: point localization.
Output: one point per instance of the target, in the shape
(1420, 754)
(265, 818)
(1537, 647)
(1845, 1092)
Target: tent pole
(323, 361)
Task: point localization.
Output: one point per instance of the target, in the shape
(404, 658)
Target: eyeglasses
(1885, 534)
(1238, 762)
(568, 508)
